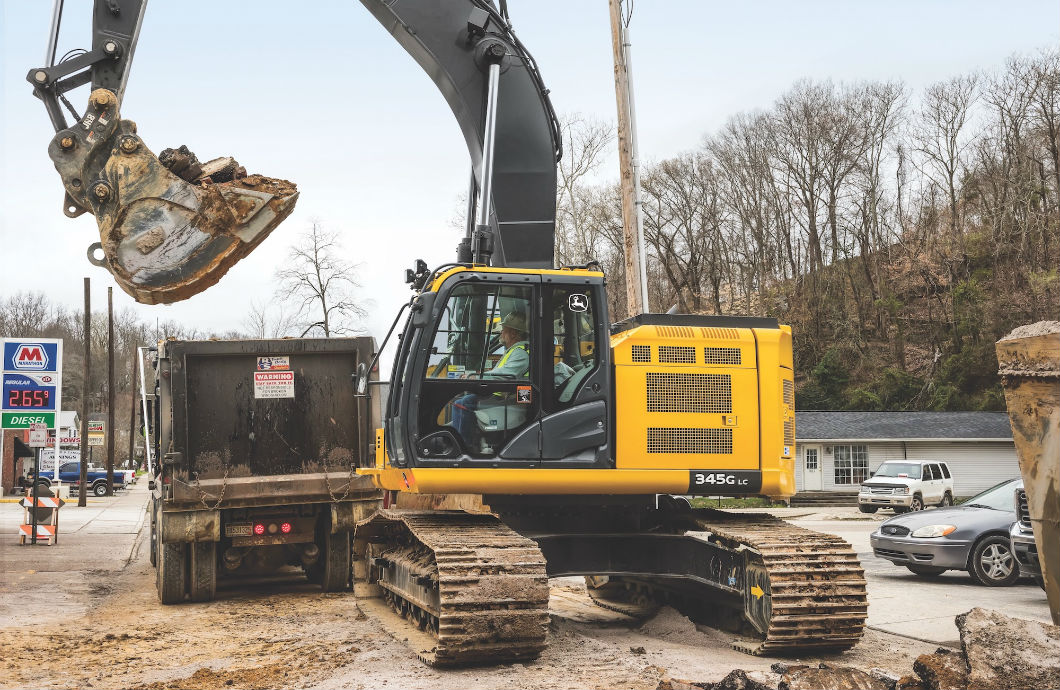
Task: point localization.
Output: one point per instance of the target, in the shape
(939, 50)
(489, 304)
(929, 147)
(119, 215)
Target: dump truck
(257, 444)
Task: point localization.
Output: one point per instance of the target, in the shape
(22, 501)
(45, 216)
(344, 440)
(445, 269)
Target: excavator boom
(170, 227)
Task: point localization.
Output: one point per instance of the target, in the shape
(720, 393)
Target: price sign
(30, 382)
(29, 392)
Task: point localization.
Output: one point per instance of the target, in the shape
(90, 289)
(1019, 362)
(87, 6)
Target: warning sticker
(273, 384)
(274, 363)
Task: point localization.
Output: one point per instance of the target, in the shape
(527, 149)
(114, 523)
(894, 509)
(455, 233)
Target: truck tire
(867, 509)
(203, 583)
(947, 500)
(99, 488)
(172, 572)
(335, 562)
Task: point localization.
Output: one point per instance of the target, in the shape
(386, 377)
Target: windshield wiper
(980, 505)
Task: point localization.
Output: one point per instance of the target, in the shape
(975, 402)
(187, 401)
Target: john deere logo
(32, 357)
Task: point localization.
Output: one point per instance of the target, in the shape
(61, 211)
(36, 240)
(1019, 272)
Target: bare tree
(267, 320)
(586, 142)
(321, 284)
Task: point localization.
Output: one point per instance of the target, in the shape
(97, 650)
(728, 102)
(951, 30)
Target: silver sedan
(972, 536)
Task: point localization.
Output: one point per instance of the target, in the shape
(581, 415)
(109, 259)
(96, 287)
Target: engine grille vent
(708, 393)
(684, 440)
(677, 355)
(789, 432)
(642, 353)
(720, 333)
(721, 355)
(789, 393)
(674, 332)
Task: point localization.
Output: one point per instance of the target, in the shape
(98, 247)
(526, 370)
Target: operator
(514, 364)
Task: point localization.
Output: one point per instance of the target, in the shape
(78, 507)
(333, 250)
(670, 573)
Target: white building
(836, 451)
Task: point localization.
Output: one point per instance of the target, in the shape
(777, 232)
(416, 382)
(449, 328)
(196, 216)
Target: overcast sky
(320, 94)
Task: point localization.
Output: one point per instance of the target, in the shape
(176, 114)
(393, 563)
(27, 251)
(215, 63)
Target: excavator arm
(171, 227)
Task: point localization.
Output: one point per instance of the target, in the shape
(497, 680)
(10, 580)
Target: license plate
(237, 530)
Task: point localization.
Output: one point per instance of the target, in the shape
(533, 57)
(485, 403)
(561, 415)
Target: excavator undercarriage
(475, 586)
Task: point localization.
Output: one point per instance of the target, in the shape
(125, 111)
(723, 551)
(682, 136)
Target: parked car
(973, 536)
(70, 473)
(907, 485)
(1021, 538)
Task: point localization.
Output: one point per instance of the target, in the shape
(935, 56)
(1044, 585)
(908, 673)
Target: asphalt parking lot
(905, 604)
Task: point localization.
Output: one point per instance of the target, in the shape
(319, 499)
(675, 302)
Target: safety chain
(327, 480)
(203, 494)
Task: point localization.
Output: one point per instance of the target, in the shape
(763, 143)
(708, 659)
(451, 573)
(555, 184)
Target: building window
(811, 458)
(851, 464)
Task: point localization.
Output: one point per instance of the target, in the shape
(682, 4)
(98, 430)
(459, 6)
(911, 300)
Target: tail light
(259, 529)
(285, 528)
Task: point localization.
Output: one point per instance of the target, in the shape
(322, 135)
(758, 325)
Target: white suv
(907, 485)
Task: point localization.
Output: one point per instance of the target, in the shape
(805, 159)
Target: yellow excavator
(578, 440)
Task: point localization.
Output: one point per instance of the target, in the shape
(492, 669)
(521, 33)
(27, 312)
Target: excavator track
(801, 589)
(472, 591)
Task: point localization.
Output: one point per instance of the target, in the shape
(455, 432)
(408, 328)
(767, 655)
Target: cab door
(476, 395)
(575, 424)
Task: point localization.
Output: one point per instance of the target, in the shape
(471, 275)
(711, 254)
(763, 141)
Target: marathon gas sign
(30, 382)
(30, 356)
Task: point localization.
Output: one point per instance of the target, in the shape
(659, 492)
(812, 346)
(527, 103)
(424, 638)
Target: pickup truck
(70, 473)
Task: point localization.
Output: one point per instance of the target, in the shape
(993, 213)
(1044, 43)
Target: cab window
(478, 390)
(469, 340)
(573, 341)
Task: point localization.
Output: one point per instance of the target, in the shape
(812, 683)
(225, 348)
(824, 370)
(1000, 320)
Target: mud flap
(757, 601)
(164, 239)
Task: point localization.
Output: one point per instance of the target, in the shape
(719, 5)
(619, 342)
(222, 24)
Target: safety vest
(519, 346)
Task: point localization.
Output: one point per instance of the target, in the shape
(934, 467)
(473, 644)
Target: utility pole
(111, 430)
(632, 228)
(82, 501)
(132, 415)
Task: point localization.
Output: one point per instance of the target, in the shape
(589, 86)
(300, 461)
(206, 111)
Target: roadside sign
(22, 420)
(96, 433)
(30, 355)
(31, 384)
(38, 435)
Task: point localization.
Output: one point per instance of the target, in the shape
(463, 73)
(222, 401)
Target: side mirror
(421, 309)
(362, 379)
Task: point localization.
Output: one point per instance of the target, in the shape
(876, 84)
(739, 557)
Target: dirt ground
(285, 633)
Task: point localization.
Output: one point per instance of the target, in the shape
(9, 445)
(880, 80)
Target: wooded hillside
(899, 234)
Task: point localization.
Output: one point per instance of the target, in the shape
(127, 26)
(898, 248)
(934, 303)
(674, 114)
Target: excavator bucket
(1029, 360)
(164, 238)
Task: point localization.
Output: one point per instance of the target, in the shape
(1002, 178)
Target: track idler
(164, 238)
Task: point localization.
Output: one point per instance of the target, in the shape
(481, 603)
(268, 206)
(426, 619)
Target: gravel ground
(283, 633)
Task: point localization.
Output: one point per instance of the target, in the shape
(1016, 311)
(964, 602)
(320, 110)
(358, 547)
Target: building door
(811, 468)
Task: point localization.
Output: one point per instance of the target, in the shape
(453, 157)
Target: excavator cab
(502, 368)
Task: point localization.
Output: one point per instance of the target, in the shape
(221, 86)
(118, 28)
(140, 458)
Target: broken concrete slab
(736, 680)
(1005, 652)
(943, 670)
(825, 677)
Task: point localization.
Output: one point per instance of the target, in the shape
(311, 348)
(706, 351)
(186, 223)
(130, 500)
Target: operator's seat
(571, 385)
